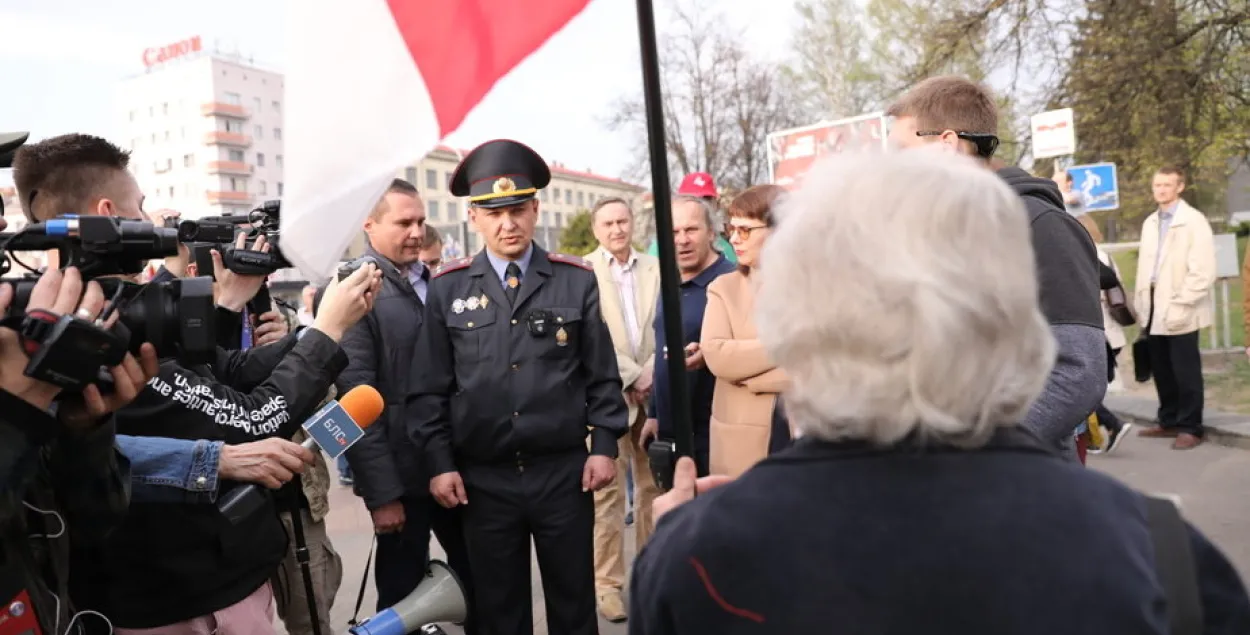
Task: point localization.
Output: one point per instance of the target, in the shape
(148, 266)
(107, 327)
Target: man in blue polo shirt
(700, 264)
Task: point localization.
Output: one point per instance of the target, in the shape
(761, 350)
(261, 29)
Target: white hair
(709, 210)
(899, 292)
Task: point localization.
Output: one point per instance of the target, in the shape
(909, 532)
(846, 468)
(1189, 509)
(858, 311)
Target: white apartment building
(205, 133)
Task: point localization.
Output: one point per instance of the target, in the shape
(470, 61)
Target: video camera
(175, 316)
(220, 232)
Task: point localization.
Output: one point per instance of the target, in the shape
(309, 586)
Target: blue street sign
(1098, 186)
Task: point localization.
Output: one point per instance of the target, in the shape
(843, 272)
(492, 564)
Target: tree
(578, 239)
(719, 103)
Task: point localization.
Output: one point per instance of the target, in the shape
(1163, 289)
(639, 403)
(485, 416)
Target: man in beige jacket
(629, 282)
(1175, 272)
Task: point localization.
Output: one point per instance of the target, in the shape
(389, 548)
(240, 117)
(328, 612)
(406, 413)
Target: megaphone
(438, 598)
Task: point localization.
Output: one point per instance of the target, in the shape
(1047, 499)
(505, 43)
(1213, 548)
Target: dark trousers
(1176, 365)
(403, 556)
(540, 498)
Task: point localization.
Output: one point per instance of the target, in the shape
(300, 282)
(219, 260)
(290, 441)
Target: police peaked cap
(500, 173)
(9, 143)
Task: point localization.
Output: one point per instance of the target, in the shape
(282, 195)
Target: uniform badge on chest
(562, 337)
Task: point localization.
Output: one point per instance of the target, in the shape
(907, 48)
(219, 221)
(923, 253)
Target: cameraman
(184, 566)
(60, 477)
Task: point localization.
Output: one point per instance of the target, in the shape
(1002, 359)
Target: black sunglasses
(986, 143)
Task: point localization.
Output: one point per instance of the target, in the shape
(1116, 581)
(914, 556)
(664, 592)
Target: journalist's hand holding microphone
(346, 302)
(62, 293)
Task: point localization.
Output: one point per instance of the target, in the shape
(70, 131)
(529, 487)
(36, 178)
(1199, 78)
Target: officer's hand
(273, 327)
(269, 462)
(598, 473)
(650, 430)
(234, 290)
(448, 490)
(389, 518)
(344, 303)
(685, 484)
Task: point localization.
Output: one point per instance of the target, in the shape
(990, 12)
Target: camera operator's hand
(234, 290)
(271, 327)
(269, 462)
(346, 302)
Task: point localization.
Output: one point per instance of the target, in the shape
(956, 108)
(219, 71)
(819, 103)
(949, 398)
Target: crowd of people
(893, 372)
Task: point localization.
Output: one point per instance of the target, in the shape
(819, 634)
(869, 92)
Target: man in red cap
(702, 185)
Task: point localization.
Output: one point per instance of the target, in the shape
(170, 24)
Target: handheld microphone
(334, 428)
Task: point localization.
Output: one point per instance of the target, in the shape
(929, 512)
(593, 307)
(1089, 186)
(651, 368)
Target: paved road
(1210, 480)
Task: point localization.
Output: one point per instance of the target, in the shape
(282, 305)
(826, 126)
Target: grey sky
(61, 60)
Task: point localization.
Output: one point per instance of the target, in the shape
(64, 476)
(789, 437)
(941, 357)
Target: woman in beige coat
(747, 423)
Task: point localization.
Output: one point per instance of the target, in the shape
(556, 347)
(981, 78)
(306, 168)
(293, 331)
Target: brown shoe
(1186, 441)
(611, 607)
(1158, 432)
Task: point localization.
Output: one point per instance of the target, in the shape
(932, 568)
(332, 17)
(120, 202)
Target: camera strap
(33, 328)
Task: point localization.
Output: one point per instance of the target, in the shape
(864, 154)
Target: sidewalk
(1224, 428)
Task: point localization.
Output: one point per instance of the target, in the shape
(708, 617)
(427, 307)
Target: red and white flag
(372, 86)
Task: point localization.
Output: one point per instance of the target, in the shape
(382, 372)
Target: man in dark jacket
(958, 115)
(386, 465)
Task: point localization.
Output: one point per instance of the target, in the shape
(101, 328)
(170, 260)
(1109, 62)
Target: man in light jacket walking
(1175, 272)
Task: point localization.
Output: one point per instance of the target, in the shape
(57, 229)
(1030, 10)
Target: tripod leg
(303, 558)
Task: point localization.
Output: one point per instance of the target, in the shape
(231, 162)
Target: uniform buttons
(559, 319)
(470, 325)
(516, 367)
(514, 320)
(515, 415)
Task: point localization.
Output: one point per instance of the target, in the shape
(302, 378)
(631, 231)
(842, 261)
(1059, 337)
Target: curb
(1223, 428)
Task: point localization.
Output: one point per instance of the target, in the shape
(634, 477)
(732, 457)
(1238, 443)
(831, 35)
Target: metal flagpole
(670, 283)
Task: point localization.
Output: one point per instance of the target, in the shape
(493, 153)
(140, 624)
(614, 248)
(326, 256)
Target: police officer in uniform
(513, 369)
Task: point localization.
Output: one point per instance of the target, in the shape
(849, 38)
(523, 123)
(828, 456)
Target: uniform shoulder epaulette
(452, 265)
(570, 260)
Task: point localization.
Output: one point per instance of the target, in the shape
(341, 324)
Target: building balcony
(219, 109)
(222, 138)
(217, 197)
(230, 167)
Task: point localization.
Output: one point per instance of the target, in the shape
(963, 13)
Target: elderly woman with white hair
(901, 299)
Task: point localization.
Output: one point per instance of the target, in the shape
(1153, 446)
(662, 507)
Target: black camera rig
(175, 316)
(220, 232)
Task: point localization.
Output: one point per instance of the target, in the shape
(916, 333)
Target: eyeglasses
(986, 143)
(742, 231)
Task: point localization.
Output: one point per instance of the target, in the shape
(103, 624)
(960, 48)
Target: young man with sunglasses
(957, 115)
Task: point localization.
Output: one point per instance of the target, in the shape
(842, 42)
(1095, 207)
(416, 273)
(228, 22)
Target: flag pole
(670, 283)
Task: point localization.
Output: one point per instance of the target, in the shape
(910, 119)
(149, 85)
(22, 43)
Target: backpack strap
(1174, 563)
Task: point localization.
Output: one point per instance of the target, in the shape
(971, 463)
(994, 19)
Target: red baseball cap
(698, 184)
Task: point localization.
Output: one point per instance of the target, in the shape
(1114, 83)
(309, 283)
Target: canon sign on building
(163, 54)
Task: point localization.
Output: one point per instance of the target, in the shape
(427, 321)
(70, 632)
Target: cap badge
(503, 185)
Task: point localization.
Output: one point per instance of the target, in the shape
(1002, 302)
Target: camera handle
(302, 556)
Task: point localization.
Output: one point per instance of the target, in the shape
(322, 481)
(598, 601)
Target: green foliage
(578, 238)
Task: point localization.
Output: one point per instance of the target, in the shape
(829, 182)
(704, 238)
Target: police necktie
(512, 282)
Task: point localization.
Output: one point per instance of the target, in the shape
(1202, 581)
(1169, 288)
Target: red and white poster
(791, 153)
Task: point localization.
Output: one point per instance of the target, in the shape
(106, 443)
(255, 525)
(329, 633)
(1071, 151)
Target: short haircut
(65, 174)
(949, 103)
(1067, 176)
(934, 330)
(432, 236)
(1174, 169)
(757, 203)
(709, 209)
(397, 186)
(604, 202)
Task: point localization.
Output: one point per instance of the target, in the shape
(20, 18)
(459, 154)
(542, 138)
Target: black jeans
(1176, 364)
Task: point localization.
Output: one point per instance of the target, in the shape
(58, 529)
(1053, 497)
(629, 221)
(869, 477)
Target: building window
(410, 175)
(543, 195)
(276, 106)
(452, 210)
(432, 206)
(184, 132)
(279, 188)
(234, 184)
(165, 108)
(256, 104)
(188, 160)
(171, 191)
(154, 138)
(278, 159)
(259, 132)
(186, 190)
(581, 199)
(167, 135)
(151, 111)
(234, 126)
(559, 219)
(546, 219)
(264, 188)
(277, 132)
(431, 179)
(568, 198)
(234, 99)
(236, 155)
(260, 159)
